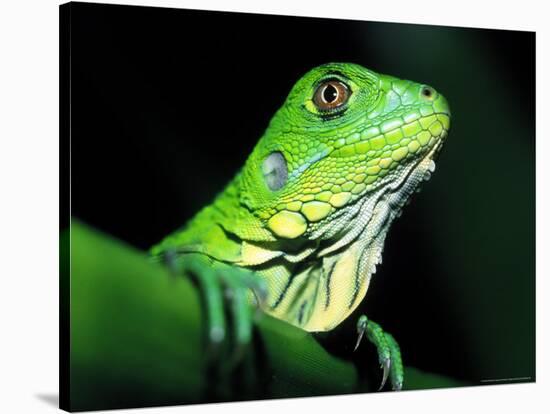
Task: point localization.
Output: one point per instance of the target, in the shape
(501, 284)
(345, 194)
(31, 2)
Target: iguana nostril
(428, 93)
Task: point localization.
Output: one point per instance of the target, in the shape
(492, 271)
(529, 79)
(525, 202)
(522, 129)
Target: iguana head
(335, 166)
(343, 133)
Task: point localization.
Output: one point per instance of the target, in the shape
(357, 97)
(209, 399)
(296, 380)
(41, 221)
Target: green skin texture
(308, 249)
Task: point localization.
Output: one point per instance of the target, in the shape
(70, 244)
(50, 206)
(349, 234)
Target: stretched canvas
(241, 214)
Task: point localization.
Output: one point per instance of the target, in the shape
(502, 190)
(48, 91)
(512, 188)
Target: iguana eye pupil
(330, 95)
(275, 171)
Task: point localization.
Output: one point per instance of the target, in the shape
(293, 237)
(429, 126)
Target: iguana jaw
(349, 222)
(326, 281)
(348, 264)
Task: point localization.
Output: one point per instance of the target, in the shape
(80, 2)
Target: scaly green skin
(317, 239)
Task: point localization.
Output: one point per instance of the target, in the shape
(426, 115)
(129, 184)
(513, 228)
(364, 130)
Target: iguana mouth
(426, 164)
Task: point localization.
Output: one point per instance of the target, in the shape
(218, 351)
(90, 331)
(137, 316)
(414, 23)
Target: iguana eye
(275, 171)
(331, 95)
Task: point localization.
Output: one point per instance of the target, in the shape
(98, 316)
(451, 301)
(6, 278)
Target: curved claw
(396, 372)
(359, 337)
(260, 293)
(361, 329)
(251, 281)
(385, 365)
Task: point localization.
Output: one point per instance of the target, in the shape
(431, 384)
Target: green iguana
(303, 223)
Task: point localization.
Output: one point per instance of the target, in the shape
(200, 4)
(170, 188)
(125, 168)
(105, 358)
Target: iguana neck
(219, 229)
(312, 283)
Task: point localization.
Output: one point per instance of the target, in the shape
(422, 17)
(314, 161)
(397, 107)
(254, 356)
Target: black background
(166, 104)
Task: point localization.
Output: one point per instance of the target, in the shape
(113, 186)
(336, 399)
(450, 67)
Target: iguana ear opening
(275, 171)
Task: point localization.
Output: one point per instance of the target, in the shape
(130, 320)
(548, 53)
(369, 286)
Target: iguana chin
(304, 221)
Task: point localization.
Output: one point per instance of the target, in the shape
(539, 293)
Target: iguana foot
(389, 354)
(220, 283)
